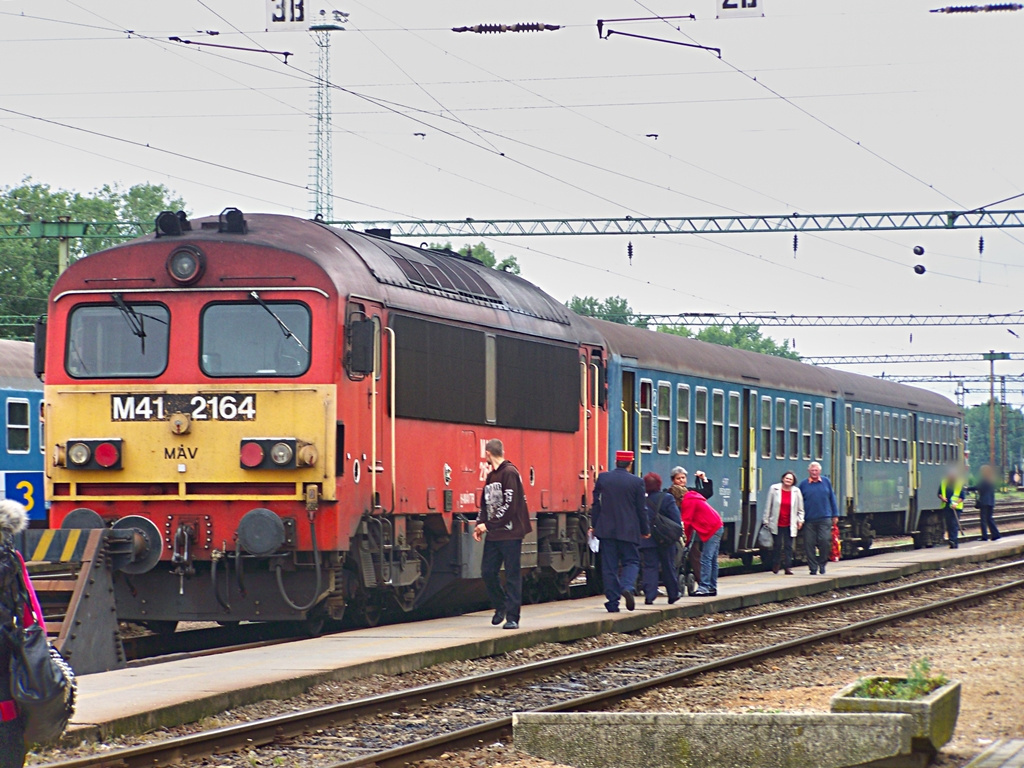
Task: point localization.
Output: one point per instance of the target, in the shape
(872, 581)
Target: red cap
(623, 455)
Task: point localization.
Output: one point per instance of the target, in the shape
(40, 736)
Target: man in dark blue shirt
(619, 520)
(820, 508)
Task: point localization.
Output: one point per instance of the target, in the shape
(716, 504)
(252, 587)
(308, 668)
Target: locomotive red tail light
(89, 454)
(107, 454)
(251, 455)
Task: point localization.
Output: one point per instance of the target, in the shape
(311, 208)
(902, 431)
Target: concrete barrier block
(677, 740)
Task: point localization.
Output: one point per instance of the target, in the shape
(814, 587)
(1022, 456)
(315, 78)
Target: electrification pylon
(322, 186)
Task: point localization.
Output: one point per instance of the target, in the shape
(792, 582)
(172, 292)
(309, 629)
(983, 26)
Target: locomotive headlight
(281, 454)
(79, 453)
(186, 265)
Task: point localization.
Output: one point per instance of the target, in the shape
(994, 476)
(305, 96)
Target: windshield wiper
(135, 321)
(284, 328)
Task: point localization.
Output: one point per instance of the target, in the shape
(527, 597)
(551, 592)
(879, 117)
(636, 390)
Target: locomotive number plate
(224, 406)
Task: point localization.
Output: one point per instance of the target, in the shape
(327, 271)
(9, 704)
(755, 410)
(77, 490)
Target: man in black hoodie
(505, 519)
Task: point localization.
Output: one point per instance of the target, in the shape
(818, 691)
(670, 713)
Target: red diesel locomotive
(291, 417)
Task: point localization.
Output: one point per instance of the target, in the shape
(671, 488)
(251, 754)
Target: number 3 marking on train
(30, 500)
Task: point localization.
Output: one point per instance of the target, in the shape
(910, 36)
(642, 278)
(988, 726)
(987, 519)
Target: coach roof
(667, 352)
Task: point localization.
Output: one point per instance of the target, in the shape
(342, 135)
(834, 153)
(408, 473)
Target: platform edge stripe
(70, 545)
(39, 555)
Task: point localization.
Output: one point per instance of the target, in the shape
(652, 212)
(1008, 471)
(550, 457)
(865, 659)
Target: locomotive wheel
(372, 612)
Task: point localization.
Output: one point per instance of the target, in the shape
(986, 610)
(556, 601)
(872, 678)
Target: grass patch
(918, 684)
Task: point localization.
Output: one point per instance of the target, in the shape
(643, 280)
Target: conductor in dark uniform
(619, 519)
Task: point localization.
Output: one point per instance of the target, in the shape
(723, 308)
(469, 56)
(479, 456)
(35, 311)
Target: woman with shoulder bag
(658, 558)
(13, 520)
(784, 518)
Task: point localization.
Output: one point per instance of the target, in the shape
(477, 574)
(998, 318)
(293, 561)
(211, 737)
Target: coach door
(913, 511)
(627, 414)
(749, 472)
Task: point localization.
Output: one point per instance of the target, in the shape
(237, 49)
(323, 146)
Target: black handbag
(42, 682)
(665, 530)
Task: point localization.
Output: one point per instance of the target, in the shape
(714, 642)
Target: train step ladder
(72, 571)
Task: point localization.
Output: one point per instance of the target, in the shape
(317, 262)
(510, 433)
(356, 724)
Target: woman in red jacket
(700, 518)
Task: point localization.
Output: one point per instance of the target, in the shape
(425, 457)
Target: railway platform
(1008, 753)
(187, 689)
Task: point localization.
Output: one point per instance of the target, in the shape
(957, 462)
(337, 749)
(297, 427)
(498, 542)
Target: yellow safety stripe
(69, 546)
(44, 544)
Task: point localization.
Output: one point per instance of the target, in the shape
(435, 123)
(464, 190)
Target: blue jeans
(615, 552)
(709, 562)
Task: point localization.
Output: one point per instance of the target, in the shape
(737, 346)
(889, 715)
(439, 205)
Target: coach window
(664, 417)
(807, 431)
(904, 434)
(780, 428)
(945, 440)
(927, 457)
(700, 422)
(819, 431)
(117, 340)
(860, 433)
(937, 440)
(766, 427)
(682, 419)
(18, 430)
(717, 422)
(794, 429)
(877, 432)
(866, 421)
(646, 415)
(734, 424)
(255, 339)
(887, 451)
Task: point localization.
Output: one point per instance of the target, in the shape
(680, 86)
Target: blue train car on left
(21, 459)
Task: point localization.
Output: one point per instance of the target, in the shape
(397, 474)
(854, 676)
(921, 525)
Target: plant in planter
(932, 700)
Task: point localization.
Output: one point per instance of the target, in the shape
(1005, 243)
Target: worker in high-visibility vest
(951, 494)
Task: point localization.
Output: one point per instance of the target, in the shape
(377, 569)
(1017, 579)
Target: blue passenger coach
(21, 461)
(745, 418)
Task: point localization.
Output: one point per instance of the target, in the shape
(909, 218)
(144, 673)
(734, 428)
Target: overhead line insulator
(486, 29)
(979, 8)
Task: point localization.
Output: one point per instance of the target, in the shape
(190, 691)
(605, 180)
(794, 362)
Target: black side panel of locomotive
(439, 371)
(538, 385)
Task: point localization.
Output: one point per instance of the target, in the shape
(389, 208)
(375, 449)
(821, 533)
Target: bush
(918, 684)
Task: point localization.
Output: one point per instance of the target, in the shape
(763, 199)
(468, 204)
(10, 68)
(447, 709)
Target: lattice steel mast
(322, 172)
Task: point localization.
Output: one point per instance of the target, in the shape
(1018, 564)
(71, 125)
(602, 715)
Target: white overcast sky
(889, 107)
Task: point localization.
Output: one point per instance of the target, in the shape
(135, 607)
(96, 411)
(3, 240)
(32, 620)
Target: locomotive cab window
(125, 339)
(255, 338)
(19, 435)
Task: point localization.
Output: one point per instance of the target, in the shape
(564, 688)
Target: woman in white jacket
(785, 518)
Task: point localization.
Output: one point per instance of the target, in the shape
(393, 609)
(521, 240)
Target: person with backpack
(658, 556)
(13, 520)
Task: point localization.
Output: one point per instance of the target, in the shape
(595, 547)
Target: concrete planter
(935, 715)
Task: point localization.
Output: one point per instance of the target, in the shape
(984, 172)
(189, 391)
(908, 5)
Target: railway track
(405, 726)
(152, 648)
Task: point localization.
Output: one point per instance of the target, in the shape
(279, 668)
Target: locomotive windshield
(255, 338)
(122, 340)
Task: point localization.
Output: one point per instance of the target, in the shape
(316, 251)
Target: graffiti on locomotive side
(227, 406)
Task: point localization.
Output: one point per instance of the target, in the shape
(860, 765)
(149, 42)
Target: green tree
(976, 419)
(28, 268)
(482, 253)
(613, 308)
(746, 336)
